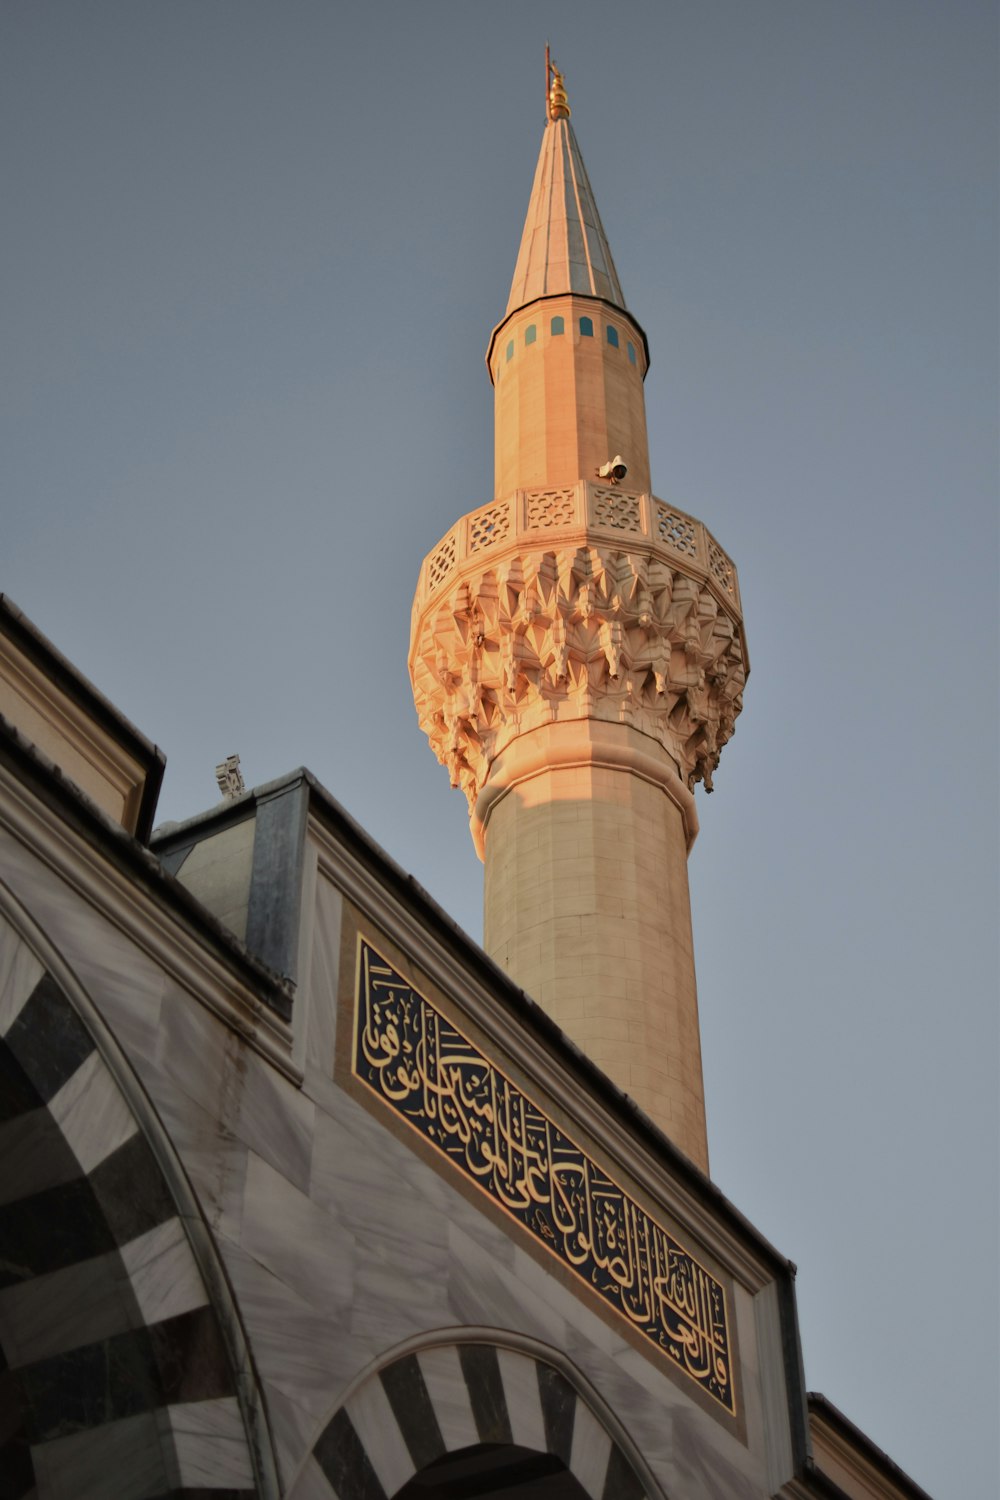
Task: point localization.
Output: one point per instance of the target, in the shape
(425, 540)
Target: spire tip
(557, 102)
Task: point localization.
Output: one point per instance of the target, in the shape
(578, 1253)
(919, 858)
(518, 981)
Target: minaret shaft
(587, 908)
(577, 664)
(568, 373)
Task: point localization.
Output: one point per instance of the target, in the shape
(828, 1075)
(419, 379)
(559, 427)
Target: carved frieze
(610, 628)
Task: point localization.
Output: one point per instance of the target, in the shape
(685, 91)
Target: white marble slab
(20, 971)
(287, 1233)
(92, 1112)
(376, 1426)
(323, 980)
(524, 1403)
(211, 1444)
(163, 1274)
(304, 1349)
(312, 1484)
(449, 1395)
(590, 1452)
(294, 1429)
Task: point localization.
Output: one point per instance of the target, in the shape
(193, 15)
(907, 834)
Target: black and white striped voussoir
(451, 1397)
(114, 1378)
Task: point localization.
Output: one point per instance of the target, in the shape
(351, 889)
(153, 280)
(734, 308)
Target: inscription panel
(423, 1068)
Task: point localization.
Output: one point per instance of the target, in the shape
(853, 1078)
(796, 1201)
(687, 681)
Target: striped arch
(121, 1363)
(451, 1396)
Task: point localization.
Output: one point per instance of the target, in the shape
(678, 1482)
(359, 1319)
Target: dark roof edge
(102, 832)
(40, 650)
(528, 1010)
(875, 1455)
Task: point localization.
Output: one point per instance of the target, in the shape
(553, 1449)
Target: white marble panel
(276, 1120)
(214, 1160)
(524, 1404)
(81, 1466)
(293, 1238)
(20, 971)
(197, 1053)
(484, 1290)
(92, 1113)
(64, 1309)
(125, 985)
(324, 970)
(446, 1387)
(163, 1273)
(211, 1444)
(351, 1151)
(390, 1306)
(293, 1429)
(376, 1426)
(708, 1462)
(590, 1452)
(303, 1349)
(312, 1484)
(233, 1084)
(573, 1306)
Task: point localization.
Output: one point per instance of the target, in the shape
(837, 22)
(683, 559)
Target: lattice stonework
(620, 512)
(442, 562)
(418, 1064)
(720, 566)
(677, 531)
(489, 526)
(547, 508)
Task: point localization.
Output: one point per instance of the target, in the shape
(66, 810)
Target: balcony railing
(578, 510)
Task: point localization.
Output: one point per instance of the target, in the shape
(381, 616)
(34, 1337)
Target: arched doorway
(120, 1349)
(474, 1413)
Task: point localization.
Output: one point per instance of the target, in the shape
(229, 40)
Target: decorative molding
(577, 509)
(575, 743)
(417, 1063)
(643, 630)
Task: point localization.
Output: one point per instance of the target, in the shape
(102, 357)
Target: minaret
(577, 663)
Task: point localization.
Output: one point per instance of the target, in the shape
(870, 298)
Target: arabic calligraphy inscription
(422, 1066)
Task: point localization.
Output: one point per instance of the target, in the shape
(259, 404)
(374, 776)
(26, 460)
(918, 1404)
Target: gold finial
(558, 103)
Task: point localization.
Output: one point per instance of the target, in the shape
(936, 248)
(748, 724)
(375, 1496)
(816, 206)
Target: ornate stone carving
(548, 508)
(610, 630)
(230, 777)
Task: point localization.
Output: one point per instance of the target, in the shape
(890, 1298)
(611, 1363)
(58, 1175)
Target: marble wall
(345, 1248)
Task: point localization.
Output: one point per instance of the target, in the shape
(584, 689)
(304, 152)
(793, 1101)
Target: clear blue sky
(251, 258)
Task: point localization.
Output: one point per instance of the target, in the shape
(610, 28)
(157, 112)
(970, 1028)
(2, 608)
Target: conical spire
(563, 246)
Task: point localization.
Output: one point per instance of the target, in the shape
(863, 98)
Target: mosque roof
(563, 245)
